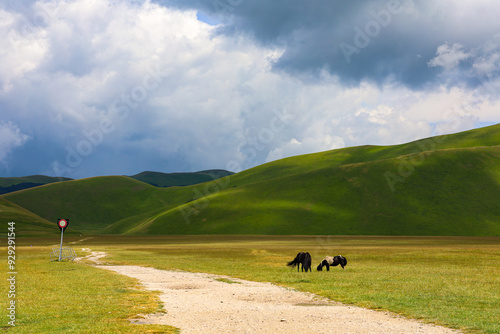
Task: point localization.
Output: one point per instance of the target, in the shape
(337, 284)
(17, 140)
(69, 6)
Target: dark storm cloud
(357, 40)
(116, 87)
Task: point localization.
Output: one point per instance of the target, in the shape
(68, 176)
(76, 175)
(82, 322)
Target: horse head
(342, 261)
(321, 265)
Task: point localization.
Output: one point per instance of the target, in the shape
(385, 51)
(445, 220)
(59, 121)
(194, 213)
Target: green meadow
(450, 281)
(69, 297)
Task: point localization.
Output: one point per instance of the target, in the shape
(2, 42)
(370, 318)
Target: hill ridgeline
(445, 185)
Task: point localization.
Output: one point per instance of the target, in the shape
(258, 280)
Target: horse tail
(295, 261)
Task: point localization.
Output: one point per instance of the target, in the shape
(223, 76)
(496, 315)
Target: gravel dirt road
(206, 303)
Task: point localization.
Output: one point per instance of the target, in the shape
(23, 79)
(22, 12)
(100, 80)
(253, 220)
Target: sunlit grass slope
(451, 192)
(447, 185)
(487, 136)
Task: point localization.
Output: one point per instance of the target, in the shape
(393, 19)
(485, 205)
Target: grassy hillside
(447, 185)
(180, 179)
(94, 203)
(487, 136)
(27, 224)
(10, 184)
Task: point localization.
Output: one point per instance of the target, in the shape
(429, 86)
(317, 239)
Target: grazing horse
(301, 258)
(332, 261)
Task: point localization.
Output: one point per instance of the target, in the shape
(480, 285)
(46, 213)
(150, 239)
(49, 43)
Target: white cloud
(308, 145)
(383, 124)
(487, 65)
(11, 137)
(157, 86)
(448, 56)
(377, 116)
(21, 50)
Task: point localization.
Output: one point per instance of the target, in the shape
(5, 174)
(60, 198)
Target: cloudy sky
(108, 87)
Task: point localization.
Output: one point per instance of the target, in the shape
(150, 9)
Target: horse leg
(327, 267)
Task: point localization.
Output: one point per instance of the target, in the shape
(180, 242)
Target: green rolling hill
(27, 224)
(93, 204)
(10, 184)
(446, 185)
(159, 179)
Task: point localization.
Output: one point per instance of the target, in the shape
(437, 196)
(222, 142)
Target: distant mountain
(444, 185)
(158, 179)
(10, 184)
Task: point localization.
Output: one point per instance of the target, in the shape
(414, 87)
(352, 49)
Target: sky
(107, 87)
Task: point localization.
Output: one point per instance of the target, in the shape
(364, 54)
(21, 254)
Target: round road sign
(62, 223)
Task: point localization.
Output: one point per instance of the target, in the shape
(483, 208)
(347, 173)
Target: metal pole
(60, 248)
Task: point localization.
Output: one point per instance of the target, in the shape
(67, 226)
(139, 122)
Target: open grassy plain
(451, 281)
(70, 297)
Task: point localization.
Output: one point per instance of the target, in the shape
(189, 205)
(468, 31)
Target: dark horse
(332, 261)
(301, 258)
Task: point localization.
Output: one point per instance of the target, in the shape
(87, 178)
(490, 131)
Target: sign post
(62, 223)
